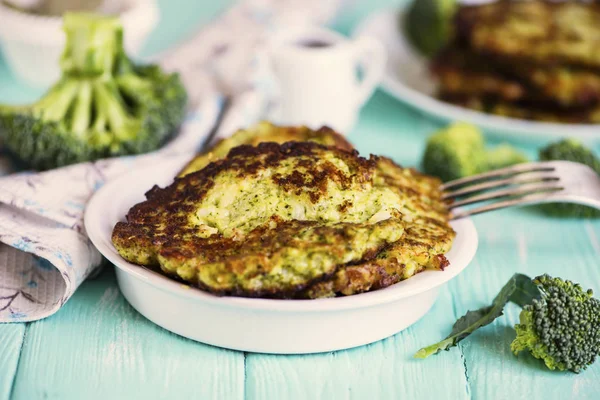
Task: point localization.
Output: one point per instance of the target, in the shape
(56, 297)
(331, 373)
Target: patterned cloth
(44, 251)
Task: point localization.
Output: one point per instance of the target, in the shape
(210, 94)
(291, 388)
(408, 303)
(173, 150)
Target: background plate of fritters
(259, 324)
(409, 78)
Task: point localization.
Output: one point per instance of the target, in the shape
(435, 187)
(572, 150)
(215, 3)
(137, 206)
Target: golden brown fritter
(568, 87)
(464, 73)
(422, 246)
(456, 81)
(266, 132)
(540, 32)
(590, 115)
(274, 220)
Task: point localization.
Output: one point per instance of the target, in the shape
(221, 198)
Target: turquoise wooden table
(98, 347)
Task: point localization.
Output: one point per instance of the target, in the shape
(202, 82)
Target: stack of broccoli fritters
(291, 220)
(525, 59)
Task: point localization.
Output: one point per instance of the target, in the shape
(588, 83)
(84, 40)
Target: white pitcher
(316, 76)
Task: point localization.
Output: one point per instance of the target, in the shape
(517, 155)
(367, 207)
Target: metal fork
(523, 184)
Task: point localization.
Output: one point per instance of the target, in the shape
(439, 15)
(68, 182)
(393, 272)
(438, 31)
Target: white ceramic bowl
(33, 44)
(262, 325)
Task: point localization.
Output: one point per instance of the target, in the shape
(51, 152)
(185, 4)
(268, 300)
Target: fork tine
(515, 169)
(521, 190)
(521, 201)
(527, 177)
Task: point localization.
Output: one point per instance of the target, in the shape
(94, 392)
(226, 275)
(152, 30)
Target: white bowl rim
(466, 243)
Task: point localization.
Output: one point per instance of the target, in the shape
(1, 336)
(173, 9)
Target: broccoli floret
(562, 328)
(559, 322)
(454, 152)
(570, 150)
(459, 151)
(428, 24)
(102, 106)
(503, 155)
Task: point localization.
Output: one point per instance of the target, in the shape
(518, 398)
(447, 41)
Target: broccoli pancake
(422, 246)
(589, 115)
(272, 220)
(465, 73)
(534, 31)
(456, 81)
(266, 132)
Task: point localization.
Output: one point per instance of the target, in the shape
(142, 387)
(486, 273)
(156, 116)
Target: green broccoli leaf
(525, 290)
(519, 289)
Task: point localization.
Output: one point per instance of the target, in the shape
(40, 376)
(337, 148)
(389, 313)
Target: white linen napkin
(44, 251)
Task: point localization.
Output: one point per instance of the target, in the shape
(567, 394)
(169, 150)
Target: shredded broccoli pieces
(102, 106)
(459, 150)
(562, 328)
(570, 150)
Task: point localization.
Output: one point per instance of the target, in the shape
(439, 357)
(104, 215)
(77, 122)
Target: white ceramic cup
(315, 73)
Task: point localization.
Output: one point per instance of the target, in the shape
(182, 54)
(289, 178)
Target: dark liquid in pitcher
(314, 43)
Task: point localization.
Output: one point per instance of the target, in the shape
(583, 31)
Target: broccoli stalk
(559, 322)
(102, 106)
(94, 45)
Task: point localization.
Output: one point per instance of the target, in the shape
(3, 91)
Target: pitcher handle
(372, 57)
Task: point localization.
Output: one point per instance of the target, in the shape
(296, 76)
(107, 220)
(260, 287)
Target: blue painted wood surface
(98, 347)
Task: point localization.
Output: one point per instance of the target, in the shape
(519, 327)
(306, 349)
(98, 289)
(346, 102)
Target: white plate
(408, 79)
(262, 325)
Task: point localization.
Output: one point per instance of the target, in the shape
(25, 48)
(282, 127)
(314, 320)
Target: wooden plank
(99, 347)
(383, 370)
(11, 341)
(522, 241)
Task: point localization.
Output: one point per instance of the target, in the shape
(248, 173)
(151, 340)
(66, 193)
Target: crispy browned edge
(339, 141)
